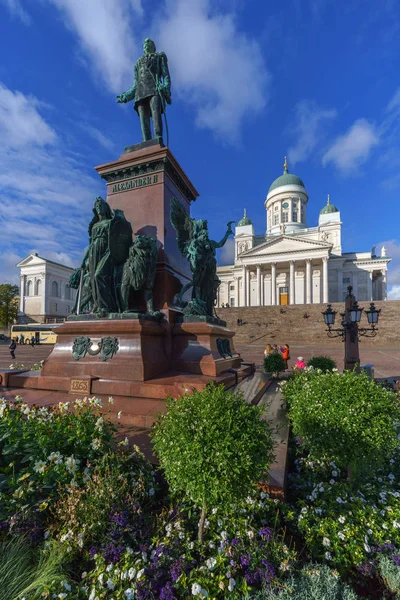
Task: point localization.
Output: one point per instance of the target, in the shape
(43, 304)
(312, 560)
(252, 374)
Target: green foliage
(28, 573)
(8, 303)
(325, 363)
(116, 493)
(313, 582)
(213, 446)
(274, 363)
(344, 418)
(390, 573)
(44, 448)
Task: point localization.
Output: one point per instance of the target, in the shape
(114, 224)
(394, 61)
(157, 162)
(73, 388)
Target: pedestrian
(238, 322)
(300, 364)
(268, 350)
(12, 347)
(285, 354)
(22, 339)
(275, 349)
(32, 341)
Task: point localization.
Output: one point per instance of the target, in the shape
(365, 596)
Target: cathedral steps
(289, 324)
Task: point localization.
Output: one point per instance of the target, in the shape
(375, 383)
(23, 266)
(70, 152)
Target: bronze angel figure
(196, 246)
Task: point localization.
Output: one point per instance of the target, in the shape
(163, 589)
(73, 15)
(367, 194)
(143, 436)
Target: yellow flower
(24, 477)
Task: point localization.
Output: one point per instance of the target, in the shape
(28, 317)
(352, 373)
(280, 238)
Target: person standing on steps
(285, 354)
(268, 350)
(12, 347)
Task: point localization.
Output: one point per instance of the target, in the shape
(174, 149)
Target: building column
(273, 284)
(355, 285)
(370, 290)
(384, 286)
(325, 280)
(22, 294)
(258, 285)
(292, 295)
(340, 285)
(244, 286)
(237, 298)
(262, 289)
(308, 281)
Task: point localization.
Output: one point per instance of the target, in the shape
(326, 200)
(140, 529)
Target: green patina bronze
(106, 348)
(112, 265)
(151, 90)
(196, 246)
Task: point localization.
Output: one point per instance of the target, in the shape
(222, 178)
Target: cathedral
(293, 263)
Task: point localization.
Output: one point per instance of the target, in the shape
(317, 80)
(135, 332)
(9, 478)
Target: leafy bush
(313, 582)
(346, 418)
(42, 449)
(274, 364)
(110, 511)
(213, 447)
(27, 573)
(389, 570)
(325, 363)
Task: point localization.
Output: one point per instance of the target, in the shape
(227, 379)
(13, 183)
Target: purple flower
(176, 570)
(235, 541)
(245, 561)
(265, 532)
(396, 560)
(113, 553)
(167, 592)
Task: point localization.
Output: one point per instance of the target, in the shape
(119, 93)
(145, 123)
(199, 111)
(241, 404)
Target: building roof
(286, 179)
(36, 255)
(244, 220)
(329, 208)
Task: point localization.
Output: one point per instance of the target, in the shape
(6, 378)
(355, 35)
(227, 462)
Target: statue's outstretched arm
(228, 233)
(129, 94)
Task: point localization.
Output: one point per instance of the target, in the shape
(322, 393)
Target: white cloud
(394, 293)
(308, 127)
(394, 104)
(9, 274)
(214, 66)
(226, 255)
(16, 9)
(46, 197)
(98, 136)
(352, 149)
(107, 34)
(393, 277)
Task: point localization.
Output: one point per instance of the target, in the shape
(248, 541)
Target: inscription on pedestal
(134, 183)
(80, 386)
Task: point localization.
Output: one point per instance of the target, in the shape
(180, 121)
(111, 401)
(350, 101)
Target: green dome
(329, 208)
(244, 220)
(286, 179)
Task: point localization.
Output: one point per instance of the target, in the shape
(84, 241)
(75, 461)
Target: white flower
(367, 548)
(341, 519)
(211, 562)
(72, 464)
(339, 500)
(67, 586)
(211, 545)
(334, 474)
(326, 541)
(341, 535)
(100, 578)
(196, 589)
(99, 423)
(119, 415)
(140, 573)
(110, 400)
(110, 584)
(250, 534)
(129, 593)
(304, 510)
(231, 584)
(55, 457)
(39, 466)
(332, 481)
(396, 524)
(131, 573)
(250, 500)
(224, 535)
(328, 556)
(384, 526)
(62, 595)
(93, 594)
(96, 443)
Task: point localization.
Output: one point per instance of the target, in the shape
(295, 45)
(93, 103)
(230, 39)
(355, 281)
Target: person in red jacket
(285, 354)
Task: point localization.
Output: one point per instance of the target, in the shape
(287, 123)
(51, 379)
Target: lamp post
(349, 331)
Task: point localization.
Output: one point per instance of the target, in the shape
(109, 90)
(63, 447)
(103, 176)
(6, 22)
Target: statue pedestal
(141, 183)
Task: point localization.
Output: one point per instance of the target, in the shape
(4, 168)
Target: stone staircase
(288, 324)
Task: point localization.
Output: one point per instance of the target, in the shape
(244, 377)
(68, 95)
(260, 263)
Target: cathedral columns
(292, 295)
(325, 280)
(370, 289)
(273, 284)
(384, 291)
(308, 281)
(258, 285)
(22, 294)
(237, 297)
(244, 281)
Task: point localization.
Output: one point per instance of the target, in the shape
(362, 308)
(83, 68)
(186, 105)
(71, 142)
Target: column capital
(308, 260)
(325, 259)
(291, 262)
(273, 264)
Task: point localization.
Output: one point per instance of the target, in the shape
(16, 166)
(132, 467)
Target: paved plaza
(386, 361)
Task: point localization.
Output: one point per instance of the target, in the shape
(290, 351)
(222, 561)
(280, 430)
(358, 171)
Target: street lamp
(349, 331)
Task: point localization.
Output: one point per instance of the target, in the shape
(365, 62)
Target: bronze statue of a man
(151, 89)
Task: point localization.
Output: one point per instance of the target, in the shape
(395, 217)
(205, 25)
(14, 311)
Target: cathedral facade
(293, 263)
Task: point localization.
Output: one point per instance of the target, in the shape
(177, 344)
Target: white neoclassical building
(45, 294)
(292, 263)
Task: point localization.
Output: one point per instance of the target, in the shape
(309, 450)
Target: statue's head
(101, 209)
(149, 46)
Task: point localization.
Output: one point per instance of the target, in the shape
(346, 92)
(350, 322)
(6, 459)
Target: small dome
(286, 179)
(245, 220)
(329, 208)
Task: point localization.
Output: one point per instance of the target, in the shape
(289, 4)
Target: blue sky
(252, 81)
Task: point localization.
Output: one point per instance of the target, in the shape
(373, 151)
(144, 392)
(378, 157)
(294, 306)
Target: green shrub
(390, 573)
(28, 573)
(314, 582)
(213, 447)
(325, 363)
(274, 364)
(346, 418)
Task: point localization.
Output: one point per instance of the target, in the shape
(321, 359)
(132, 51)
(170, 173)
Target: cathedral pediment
(31, 260)
(285, 244)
